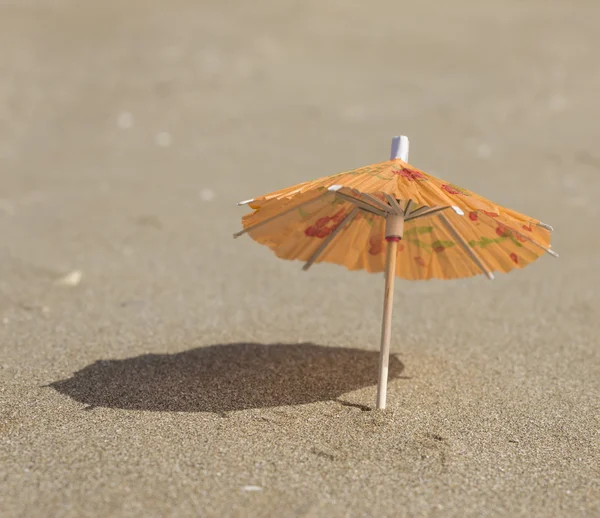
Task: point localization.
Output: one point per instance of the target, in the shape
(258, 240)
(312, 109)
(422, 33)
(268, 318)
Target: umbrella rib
(261, 223)
(419, 211)
(434, 210)
(532, 241)
(362, 204)
(470, 252)
(545, 225)
(347, 220)
(394, 204)
(407, 208)
(376, 201)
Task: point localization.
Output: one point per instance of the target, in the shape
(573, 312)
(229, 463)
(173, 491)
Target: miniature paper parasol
(428, 228)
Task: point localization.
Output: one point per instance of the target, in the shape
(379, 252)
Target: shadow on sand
(222, 378)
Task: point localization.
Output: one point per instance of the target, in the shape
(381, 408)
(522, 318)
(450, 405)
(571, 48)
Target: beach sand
(152, 366)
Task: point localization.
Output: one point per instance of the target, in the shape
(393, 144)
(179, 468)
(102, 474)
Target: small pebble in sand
(252, 488)
(71, 279)
(125, 120)
(163, 139)
(207, 194)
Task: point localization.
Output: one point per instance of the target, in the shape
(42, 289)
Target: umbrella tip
(546, 226)
(399, 148)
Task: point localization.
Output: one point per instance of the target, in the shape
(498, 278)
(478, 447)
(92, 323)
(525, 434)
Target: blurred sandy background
(177, 372)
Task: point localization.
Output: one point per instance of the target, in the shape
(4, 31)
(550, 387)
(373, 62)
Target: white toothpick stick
(400, 148)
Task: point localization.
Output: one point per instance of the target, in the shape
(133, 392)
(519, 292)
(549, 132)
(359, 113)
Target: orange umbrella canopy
(392, 217)
(449, 232)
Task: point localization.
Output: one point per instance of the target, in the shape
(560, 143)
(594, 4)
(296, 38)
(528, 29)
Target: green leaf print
(418, 231)
(303, 213)
(486, 241)
(512, 238)
(445, 244)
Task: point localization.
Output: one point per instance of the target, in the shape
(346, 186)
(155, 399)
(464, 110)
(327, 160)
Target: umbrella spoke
(546, 226)
(419, 211)
(433, 210)
(376, 201)
(470, 252)
(361, 204)
(532, 241)
(346, 221)
(394, 204)
(407, 208)
(268, 220)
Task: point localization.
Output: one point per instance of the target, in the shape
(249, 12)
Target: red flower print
(528, 228)
(514, 257)
(473, 215)
(376, 245)
(450, 189)
(420, 261)
(453, 189)
(325, 225)
(400, 247)
(520, 238)
(439, 249)
(502, 231)
(409, 174)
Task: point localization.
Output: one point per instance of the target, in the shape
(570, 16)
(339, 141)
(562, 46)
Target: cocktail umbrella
(427, 227)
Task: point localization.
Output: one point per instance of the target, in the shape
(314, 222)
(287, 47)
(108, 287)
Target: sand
(152, 366)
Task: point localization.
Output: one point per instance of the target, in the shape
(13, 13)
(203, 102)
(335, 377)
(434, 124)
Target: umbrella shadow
(228, 377)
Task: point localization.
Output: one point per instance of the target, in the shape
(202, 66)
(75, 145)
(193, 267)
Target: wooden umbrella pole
(394, 228)
(386, 327)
